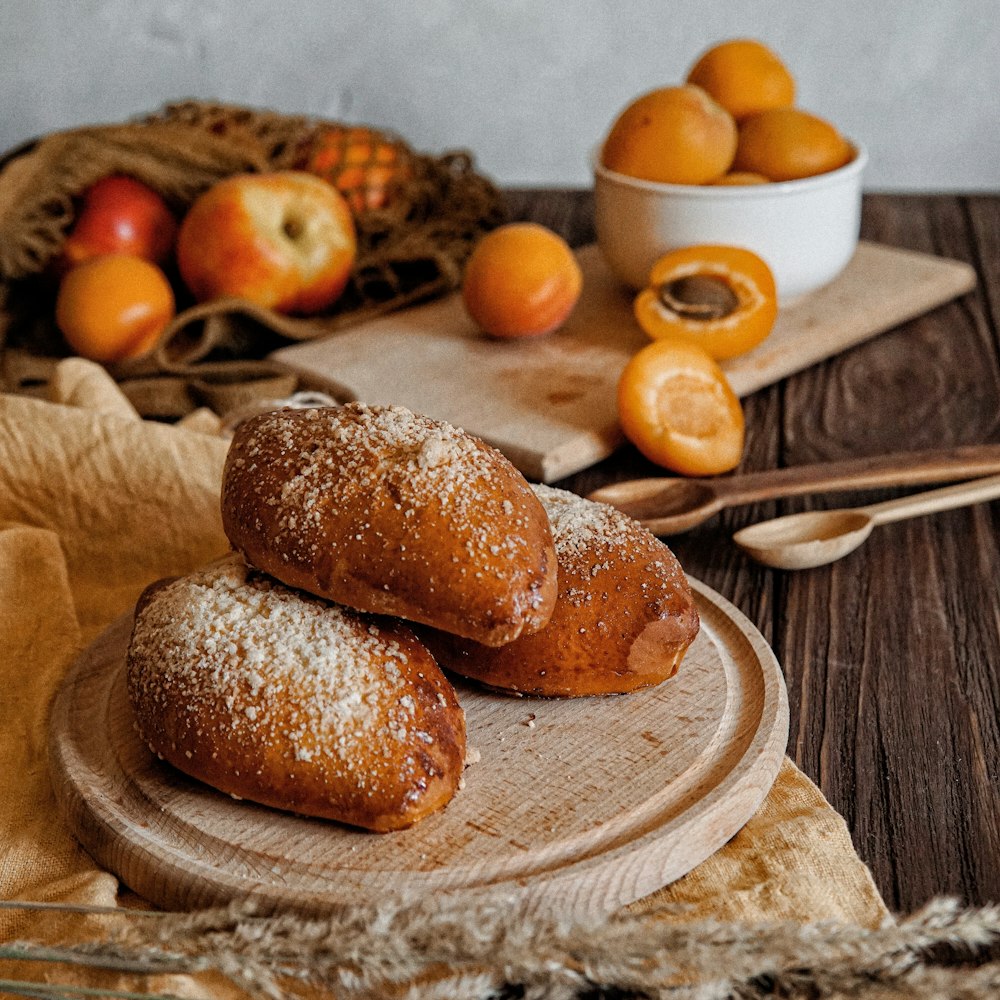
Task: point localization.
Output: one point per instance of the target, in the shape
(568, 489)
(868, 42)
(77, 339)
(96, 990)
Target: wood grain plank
(879, 721)
(891, 657)
(569, 213)
(984, 228)
(548, 403)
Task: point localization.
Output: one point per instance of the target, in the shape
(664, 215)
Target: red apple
(120, 215)
(284, 240)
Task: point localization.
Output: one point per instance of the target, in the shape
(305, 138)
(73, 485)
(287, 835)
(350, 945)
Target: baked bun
(624, 617)
(276, 696)
(386, 511)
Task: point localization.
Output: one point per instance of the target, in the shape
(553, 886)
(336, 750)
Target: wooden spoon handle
(960, 495)
(899, 469)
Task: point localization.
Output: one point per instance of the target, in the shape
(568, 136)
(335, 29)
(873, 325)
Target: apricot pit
(722, 298)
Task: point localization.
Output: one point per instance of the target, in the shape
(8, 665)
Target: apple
(120, 215)
(283, 240)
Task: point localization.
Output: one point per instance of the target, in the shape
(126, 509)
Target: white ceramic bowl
(806, 230)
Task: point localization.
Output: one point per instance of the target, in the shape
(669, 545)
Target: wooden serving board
(549, 403)
(574, 806)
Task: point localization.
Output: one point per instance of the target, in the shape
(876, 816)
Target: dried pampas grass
(435, 948)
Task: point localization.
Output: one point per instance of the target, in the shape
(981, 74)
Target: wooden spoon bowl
(814, 538)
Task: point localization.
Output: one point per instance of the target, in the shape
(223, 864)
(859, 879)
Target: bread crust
(394, 513)
(624, 618)
(276, 696)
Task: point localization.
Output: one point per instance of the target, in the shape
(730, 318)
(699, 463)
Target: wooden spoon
(668, 506)
(818, 537)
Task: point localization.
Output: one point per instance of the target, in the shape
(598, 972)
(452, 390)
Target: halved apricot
(722, 298)
(677, 407)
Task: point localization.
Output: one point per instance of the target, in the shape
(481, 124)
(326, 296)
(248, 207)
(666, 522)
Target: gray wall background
(529, 87)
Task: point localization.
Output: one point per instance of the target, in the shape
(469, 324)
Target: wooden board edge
(743, 785)
(582, 453)
(763, 367)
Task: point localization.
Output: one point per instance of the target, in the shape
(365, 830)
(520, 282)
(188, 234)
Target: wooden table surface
(892, 655)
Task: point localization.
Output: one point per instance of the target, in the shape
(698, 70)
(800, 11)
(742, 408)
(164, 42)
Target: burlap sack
(214, 353)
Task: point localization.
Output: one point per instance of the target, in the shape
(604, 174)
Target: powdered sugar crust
(283, 669)
(390, 481)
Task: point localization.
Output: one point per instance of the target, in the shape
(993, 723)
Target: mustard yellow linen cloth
(95, 503)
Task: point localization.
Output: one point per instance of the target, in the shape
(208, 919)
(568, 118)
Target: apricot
(722, 298)
(677, 407)
(114, 307)
(739, 178)
(744, 76)
(674, 135)
(522, 280)
(785, 144)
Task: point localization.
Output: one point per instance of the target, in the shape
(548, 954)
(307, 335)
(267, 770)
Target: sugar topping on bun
(280, 697)
(623, 620)
(392, 512)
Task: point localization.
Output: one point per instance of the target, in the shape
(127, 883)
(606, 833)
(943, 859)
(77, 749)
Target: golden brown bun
(385, 511)
(623, 620)
(276, 696)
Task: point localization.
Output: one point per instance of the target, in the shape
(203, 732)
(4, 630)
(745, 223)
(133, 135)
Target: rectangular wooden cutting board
(549, 403)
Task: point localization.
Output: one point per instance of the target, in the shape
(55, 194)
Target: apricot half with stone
(722, 298)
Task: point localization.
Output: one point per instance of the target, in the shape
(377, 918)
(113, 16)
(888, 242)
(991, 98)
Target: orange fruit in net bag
(114, 307)
(786, 144)
(674, 135)
(744, 76)
(677, 407)
(365, 165)
(722, 298)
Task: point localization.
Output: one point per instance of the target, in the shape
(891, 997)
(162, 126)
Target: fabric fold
(130, 501)
(95, 504)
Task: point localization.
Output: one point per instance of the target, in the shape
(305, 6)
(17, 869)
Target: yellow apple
(284, 240)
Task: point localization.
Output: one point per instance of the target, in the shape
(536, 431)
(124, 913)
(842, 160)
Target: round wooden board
(574, 806)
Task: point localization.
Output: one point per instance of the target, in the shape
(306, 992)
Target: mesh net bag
(417, 216)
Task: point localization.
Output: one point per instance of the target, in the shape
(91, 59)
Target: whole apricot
(367, 166)
(114, 307)
(674, 135)
(740, 178)
(744, 76)
(785, 144)
(522, 280)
